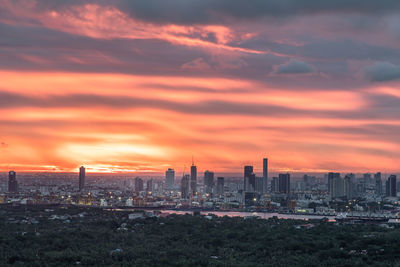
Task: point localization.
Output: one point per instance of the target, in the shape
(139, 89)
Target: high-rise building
(391, 186)
(220, 185)
(149, 186)
(82, 176)
(12, 182)
(158, 187)
(248, 171)
(208, 181)
(169, 179)
(335, 185)
(259, 185)
(265, 175)
(193, 179)
(308, 181)
(250, 182)
(185, 182)
(138, 185)
(275, 184)
(378, 183)
(284, 183)
(367, 178)
(348, 187)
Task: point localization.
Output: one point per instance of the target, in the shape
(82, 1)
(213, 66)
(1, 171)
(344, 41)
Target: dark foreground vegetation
(33, 236)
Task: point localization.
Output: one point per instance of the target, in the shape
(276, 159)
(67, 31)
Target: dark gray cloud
(3, 144)
(294, 67)
(382, 71)
(338, 50)
(329, 56)
(210, 11)
(57, 49)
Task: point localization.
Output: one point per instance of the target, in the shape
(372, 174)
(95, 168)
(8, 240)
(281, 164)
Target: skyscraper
(220, 185)
(169, 179)
(275, 184)
(250, 182)
(335, 185)
(265, 175)
(138, 185)
(367, 178)
(306, 181)
(284, 183)
(248, 170)
(12, 182)
(378, 183)
(391, 186)
(149, 186)
(185, 186)
(193, 179)
(259, 185)
(82, 175)
(208, 181)
(348, 187)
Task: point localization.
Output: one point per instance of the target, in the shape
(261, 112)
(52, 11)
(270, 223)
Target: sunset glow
(98, 85)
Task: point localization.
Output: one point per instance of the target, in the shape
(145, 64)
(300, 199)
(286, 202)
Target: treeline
(112, 240)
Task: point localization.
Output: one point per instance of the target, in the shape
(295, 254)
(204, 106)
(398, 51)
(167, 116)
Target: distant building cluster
(309, 194)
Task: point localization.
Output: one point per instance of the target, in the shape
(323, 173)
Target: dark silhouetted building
(169, 179)
(149, 186)
(391, 186)
(284, 183)
(259, 185)
(348, 187)
(249, 179)
(82, 176)
(308, 181)
(12, 182)
(378, 183)
(265, 175)
(193, 179)
(275, 184)
(220, 185)
(335, 185)
(185, 186)
(208, 181)
(247, 171)
(367, 178)
(138, 185)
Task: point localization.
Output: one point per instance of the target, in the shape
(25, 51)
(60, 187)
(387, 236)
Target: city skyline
(126, 86)
(200, 132)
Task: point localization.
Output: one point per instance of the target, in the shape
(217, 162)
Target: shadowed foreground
(33, 236)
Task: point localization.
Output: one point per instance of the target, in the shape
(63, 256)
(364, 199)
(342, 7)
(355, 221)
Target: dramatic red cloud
(94, 85)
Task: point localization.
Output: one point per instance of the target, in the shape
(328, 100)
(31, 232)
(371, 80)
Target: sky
(125, 86)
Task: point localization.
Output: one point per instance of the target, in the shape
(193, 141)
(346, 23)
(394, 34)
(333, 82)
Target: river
(262, 215)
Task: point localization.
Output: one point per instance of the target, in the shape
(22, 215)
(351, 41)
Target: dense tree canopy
(104, 238)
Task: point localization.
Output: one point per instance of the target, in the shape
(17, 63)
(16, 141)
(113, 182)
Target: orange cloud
(61, 136)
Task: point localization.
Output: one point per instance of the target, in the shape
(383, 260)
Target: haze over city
(141, 86)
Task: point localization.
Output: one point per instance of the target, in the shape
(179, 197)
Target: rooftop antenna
(192, 161)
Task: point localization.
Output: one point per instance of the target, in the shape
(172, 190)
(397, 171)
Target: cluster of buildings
(370, 185)
(278, 193)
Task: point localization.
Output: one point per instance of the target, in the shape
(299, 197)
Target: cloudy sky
(144, 85)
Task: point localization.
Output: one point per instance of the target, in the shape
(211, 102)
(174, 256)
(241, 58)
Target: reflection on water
(262, 215)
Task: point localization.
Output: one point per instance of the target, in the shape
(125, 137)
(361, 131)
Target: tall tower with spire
(193, 178)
